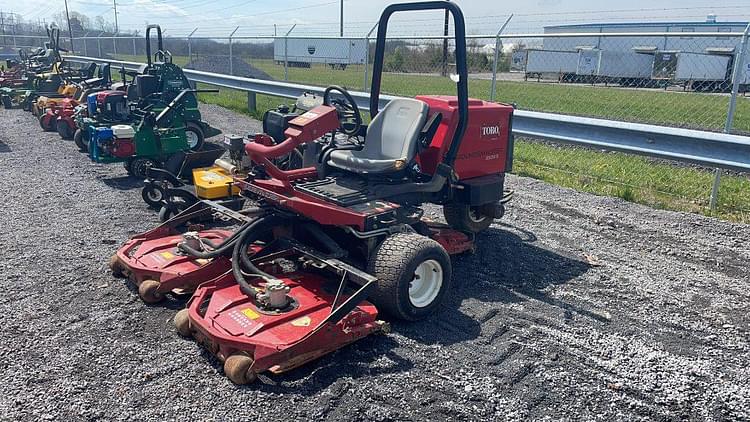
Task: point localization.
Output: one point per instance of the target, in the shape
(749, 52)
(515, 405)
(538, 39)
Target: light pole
(70, 31)
(341, 20)
(117, 29)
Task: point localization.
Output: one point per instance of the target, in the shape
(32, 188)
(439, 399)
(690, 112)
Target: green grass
(630, 177)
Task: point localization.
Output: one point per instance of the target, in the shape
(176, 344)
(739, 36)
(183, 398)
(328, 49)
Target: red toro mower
(340, 240)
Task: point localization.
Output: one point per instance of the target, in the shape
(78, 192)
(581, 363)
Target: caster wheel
(116, 266)
(182, 323)
(148, 290)
(153, 195)
(237, 368)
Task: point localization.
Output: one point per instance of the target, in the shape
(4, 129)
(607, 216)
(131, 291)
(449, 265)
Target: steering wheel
(349, 117)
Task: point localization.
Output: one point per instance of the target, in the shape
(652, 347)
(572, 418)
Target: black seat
(146, 85)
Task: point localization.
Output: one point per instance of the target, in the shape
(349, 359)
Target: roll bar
(160, 44)
(463, 74)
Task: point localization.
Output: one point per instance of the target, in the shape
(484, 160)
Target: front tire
(153, 195)
(64, 130)
(414, 275)
(79, 141)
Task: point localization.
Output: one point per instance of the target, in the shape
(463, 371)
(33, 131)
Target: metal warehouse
(684, 42)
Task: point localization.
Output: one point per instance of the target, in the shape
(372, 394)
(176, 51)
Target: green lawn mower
(154, 86)
(146, 143)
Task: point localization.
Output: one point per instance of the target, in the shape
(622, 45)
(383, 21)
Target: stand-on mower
(62, 109)
(159, 106)
(349, 227)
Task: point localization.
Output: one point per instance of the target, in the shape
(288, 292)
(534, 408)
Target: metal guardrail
(704, 148)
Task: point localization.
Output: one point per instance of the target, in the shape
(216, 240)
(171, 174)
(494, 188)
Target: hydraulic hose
(218, 250)
(240, 258)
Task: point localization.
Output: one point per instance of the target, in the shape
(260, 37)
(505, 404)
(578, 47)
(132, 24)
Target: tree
(78, 21)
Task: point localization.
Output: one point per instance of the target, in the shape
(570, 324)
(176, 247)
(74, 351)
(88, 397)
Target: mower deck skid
(250, 339)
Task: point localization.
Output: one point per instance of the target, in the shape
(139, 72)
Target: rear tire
(80, 142)
(195, 136)
(414, 276)
(139, 167)
(468, 218)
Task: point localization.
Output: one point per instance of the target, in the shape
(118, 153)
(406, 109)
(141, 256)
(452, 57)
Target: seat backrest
(146, 85)
(394, 133)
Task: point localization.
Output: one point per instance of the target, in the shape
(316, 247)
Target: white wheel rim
(192, 138)
(426, 284)
(154, 195)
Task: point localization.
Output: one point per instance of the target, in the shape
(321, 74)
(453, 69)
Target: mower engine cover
(487, 147)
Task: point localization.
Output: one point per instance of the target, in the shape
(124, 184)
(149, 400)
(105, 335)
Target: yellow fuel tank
(213, 183)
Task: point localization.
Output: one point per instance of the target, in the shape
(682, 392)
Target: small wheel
(47, 124)
(7, 102)
(153, 195)
(182, 323)
(118, 270)
(194, 135)
(64, 130)
(468, 218)
(149, 291)
(165, 214)
(238, 369)
(80, 141)
(414, 275)
(139, 167)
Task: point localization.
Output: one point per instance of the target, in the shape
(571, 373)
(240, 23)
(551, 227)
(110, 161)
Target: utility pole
(70, 30)
(445, 43)
(2, 25)
(117, 29)
(341, 20)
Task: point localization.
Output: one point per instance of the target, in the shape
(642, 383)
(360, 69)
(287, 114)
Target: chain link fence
(696, 80)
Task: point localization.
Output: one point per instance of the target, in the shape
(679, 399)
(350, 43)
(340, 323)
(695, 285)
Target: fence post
(286, 49)
(85, 41)
(739, 59)
(190, 45)
(114, 45)
(367, 57)
(251, 102)
(99, 44)
(231, 60)
(498, 45)
(135, 49)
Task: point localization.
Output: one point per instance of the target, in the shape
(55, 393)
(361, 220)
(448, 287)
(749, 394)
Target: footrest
(344, 191)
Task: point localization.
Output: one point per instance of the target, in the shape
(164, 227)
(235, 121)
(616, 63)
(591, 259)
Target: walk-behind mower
(349, 227)
(155, 86)
(149, 142)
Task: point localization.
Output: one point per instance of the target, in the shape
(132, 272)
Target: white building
(682, 41)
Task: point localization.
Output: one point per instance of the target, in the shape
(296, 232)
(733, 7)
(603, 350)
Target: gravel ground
(574, 307)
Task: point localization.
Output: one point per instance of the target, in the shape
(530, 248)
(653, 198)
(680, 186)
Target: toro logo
(490, 131)
(311, 49)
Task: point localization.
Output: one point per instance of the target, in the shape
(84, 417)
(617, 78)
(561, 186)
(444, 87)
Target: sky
(321, 17)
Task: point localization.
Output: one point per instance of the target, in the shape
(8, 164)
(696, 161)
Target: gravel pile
(574, 307)
(220, 64)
